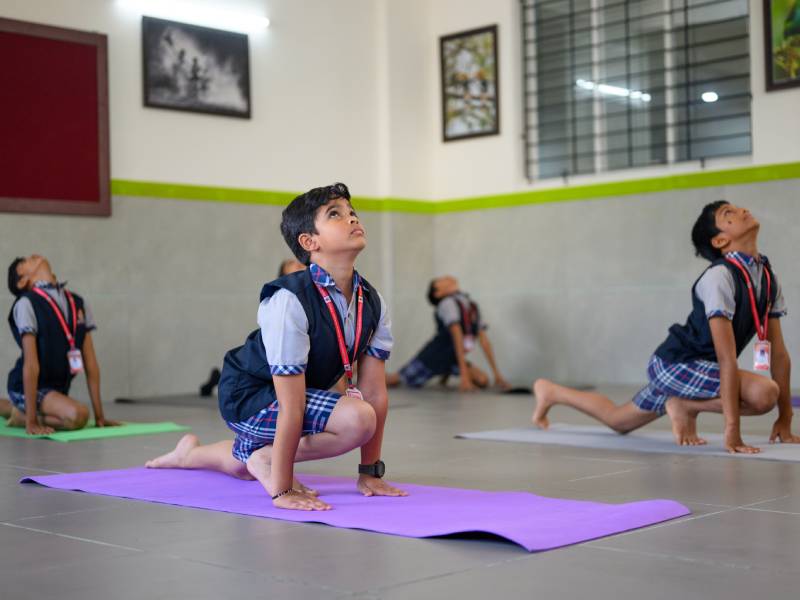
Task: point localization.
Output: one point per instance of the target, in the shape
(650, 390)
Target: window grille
(614, 84)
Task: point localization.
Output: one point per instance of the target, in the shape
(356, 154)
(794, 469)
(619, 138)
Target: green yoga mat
(90, 432)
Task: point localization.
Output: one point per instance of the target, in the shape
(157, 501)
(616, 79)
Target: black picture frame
(780, 48)
(197, 69)
(470, 84)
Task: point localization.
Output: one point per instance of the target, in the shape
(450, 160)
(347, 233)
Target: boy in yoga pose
(314, 325)
(458, 325)
(695, 369)
(53, 328)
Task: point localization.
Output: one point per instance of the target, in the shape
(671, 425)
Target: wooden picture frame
(781, 44)
(54, 143)
(470, 84)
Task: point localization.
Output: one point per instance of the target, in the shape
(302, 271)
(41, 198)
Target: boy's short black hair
(432, 292)
(299, 216)
(14, 277)
(705, 229)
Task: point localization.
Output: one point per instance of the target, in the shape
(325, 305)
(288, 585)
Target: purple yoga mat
(533, 522)
(796, 401)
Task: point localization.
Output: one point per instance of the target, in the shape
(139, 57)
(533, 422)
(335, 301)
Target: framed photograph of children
(470, 87)
(54, 126)
(782, 43)
(193, 68)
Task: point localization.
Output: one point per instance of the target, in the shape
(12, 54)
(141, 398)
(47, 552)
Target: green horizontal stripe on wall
(122, 187)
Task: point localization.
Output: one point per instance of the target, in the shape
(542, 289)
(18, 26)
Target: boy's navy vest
(693, 341)
(246, 385)
(51, 345)
(439, 354)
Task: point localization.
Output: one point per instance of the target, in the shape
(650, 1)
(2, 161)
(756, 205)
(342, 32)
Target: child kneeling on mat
(458, 327)
(275, 390)
(695, 369)
(53, 328)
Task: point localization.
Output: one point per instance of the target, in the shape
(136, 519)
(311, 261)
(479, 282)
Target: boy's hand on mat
(372, 486)
(501, 384)
(466, 385)
(782, 432)
(296, 500)
(103, 422)
(734, 444)
(36, 429)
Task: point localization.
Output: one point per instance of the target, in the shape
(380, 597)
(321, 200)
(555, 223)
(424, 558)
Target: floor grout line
(70, 537)
(605, 475)
(24, 468)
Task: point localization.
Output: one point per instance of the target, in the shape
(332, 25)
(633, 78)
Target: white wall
(314, 98)
(494, 165)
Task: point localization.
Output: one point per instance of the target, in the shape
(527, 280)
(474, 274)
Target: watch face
(380, 468)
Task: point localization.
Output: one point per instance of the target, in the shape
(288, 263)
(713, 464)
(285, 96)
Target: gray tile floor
(742, 540)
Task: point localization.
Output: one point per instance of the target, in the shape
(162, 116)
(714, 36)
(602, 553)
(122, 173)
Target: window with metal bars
(614, 84)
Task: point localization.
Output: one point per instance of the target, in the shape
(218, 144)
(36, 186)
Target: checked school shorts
(695, 380)
(259, 430)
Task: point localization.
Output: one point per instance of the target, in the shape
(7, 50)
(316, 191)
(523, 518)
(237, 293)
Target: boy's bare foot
(177, 458)
(392, 379)
(684, 424)
(17, 418)
(543, 391)
(5, 408)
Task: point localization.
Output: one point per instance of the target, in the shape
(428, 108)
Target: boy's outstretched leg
(621, 418)
(189, 454)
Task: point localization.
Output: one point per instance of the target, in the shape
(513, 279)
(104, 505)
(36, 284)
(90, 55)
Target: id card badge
(469, 343)
(354, 392)
(761, 355)
(75, 361)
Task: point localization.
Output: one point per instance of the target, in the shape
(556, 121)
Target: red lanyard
(761, 326)
(466, 315)
(346, 361)
(70, 335)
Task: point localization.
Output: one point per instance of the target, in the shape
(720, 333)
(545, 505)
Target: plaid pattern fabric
(18, 399)
(287, 369)
(696, 380)
(259, 430)
(416, 373)
(377, 353)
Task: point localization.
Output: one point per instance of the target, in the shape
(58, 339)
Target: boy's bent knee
(767, 397)
(77, 417)
(359, 421)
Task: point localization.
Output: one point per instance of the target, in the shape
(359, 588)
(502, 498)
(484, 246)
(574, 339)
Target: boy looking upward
(695, 369)
(52, 326)
(314, 326)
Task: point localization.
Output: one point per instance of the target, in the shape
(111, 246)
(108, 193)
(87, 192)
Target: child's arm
(725, 348)
(372, 384)
(93, 379)
(465, 380)
(291, 392)
(488, 351)
(781, 371)
(30, 385)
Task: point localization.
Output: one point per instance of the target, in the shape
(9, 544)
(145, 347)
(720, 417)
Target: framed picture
(782, 43)
(470, 87)
(187, 67)
(54, 153)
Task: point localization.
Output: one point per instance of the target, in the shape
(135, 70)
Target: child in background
(458, 327)
(52, 326)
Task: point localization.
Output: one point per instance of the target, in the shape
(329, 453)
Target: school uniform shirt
(449, 312)
(25, 317)
(716, 289)
(284, 325)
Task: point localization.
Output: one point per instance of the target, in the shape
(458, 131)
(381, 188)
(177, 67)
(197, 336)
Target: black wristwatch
(376, 469)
